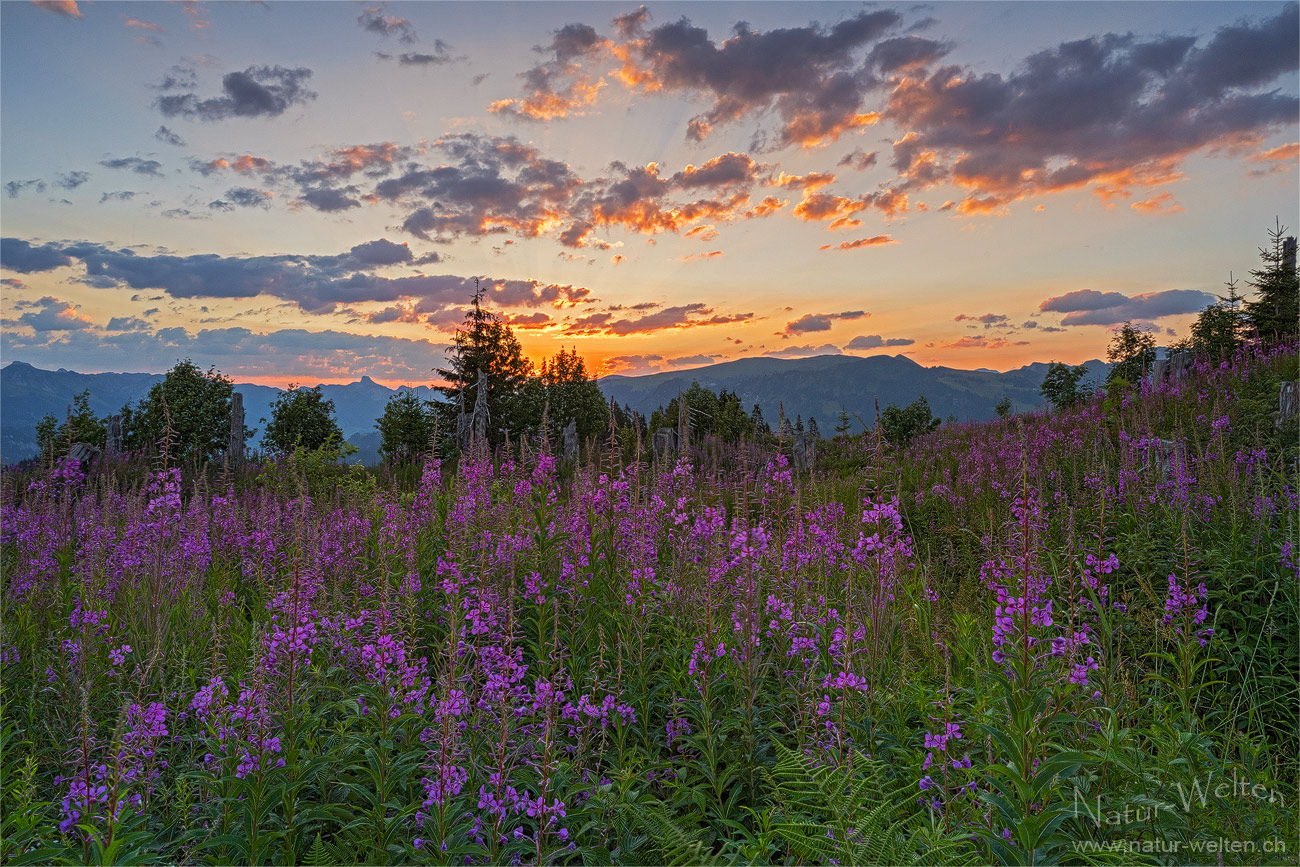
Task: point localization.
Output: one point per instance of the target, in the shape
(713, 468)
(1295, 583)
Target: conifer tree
(485, 343)
(1275, 313)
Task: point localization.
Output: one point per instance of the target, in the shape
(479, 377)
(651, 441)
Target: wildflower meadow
(1054, 638)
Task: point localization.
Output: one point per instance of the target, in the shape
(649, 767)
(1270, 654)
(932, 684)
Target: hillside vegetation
(1064, 638)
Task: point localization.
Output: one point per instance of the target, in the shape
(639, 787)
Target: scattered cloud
(820, 321)
(144, 25)
(166, 136)
(126, 323)
(858, 159)
(330, 200)
(631, 365)
(873, 241)
(439, 55)
(1162, 203)
(373, 20)
(529, 321)
(977, 341)
(804, 351)
(988, 320)
(664, 319)
(559, 87)
(1279, 159)
(690, 360)
(61, 7)
(15, 188)
(71, 180)
(875, 341)
(1090, 307)
(51, 314)
(247, 197)
(316, 284)
(194, 10)
(1114, 112)
(258, 91)
(238, 352)
(153, 168)
(804, 183)
(813, 78)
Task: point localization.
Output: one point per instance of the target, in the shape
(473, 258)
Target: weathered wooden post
(1288, 405)
(664, 442)
(480, 417)
(113, 440)
(571, 442)
(235, 449)
(683, 422)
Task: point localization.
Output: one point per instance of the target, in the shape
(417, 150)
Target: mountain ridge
(820, 386)
(802, 387)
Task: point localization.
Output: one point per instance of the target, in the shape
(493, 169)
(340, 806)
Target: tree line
(188, 414)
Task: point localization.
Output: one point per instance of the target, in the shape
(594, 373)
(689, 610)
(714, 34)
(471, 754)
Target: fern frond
(319, 854)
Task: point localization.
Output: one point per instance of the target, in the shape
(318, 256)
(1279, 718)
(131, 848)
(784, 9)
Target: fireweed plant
(1046, 639)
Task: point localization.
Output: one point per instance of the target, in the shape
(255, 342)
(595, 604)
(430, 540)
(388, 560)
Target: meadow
(1055, 638)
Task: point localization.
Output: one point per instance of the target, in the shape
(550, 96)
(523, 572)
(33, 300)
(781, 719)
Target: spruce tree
(1218, 330)
(1275, 313)
(486, 343)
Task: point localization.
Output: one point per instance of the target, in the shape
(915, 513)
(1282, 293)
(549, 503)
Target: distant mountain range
(27, 393)
(825, 385)
(817, 387)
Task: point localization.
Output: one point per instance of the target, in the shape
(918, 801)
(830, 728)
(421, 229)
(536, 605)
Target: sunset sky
(305, 191)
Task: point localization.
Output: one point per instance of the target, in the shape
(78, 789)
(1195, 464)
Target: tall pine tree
(485, 343)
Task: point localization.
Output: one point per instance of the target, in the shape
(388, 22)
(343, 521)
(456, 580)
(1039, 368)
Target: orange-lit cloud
(817, 207)
(144, 25)
(1111, 112)
(769, 205)
(62, 7)
(702, 233)
(978, 341)
(195, 11)
(529, 321)
(1161, 204)
(500, 185)
(726, 170)
(665, 319)
(559, 87)
(873, 241)
(805, 183)
(1279, 159)
(350, 160)
(246, 164)
(811, 77)
(805, 351)
(549, 105)
(48, 315)
(695, 257)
